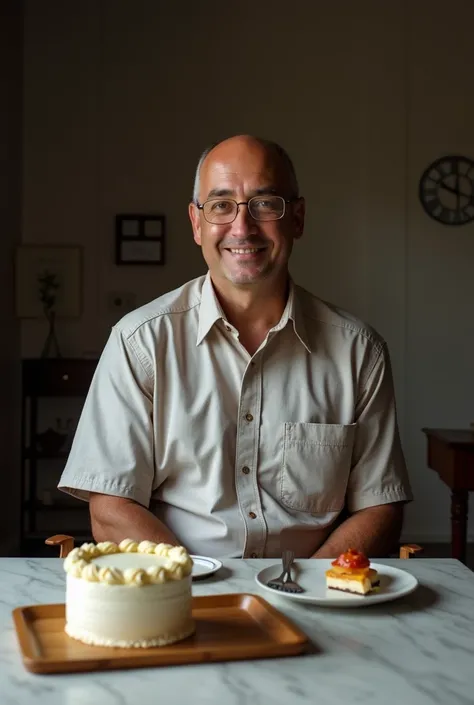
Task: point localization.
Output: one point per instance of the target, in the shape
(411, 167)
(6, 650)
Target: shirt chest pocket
(316, 466)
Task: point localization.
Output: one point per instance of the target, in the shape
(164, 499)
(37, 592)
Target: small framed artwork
(139, 239)
(51, 276)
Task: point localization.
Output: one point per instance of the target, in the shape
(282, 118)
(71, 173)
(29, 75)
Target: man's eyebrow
(218, 192)
(264, 190)
(221, 192)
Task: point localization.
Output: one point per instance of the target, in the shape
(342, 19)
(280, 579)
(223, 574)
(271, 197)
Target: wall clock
(446, 190)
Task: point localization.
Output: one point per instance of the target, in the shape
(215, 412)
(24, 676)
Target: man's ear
(299, 209)
(194, 217)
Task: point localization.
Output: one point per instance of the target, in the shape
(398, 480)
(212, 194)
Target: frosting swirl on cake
(176, 563)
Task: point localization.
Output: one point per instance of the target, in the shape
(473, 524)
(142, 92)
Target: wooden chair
(408, 549)
(66, 544)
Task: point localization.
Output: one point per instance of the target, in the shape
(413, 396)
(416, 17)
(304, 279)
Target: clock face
(447, 190)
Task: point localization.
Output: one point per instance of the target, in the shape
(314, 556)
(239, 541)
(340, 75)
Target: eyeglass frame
(200, 206)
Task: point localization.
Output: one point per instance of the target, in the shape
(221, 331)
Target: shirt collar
(210, 311)
(294, 314)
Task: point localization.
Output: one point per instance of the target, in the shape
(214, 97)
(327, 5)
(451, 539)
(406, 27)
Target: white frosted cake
(128, 595)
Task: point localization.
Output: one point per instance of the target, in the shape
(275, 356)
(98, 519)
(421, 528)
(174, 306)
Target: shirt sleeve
(112, 451)
(378, 474)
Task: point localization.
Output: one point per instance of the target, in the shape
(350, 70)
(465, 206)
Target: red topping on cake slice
(352, 559)
(351, 572)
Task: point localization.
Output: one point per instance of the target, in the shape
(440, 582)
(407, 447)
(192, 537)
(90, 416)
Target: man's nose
(244, 222)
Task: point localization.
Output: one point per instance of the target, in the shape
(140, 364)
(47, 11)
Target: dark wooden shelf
(54, 378)
(57, 507)
(30, 453)
(79, 534)
(58, 377)
(455, 437)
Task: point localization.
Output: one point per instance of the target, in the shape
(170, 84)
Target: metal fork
(284, 583)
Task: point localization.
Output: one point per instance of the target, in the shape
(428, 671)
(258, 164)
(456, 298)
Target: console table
(451, 455)
(43, 454)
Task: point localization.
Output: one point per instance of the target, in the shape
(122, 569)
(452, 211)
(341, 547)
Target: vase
(51, 345)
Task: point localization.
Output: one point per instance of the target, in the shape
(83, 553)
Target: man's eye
(266, 204)
(221, 206)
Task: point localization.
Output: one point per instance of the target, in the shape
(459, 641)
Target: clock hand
(458, 197)
(453, 190)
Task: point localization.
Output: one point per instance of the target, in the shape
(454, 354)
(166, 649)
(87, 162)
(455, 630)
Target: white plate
(204, 566)
(394, 583)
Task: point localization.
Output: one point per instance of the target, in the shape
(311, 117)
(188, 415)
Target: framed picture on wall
(139, 239)
(53, 268)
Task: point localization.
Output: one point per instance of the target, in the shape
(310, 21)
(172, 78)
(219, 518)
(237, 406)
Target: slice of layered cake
(351, 572)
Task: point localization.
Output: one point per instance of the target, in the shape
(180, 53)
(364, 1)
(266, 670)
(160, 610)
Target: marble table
(415, 651)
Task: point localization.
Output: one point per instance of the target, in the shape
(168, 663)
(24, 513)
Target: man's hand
(117, 518)
(374, 531)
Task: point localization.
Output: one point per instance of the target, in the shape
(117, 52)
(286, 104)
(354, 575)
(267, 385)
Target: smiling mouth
(244, 250)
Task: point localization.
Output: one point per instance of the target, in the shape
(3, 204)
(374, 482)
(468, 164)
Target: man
(240, 413)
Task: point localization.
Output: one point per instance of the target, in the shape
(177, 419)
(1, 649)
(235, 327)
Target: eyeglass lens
(224, 210)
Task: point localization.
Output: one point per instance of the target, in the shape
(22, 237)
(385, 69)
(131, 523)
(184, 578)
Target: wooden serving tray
(228, 627)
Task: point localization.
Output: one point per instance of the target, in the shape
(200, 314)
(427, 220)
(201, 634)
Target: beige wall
(121, 97)
(10, 217)
(439, 260)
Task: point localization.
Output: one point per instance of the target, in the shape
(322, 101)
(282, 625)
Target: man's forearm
(115, 519)
(375, 531)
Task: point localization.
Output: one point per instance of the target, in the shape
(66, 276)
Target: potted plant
(48, 288)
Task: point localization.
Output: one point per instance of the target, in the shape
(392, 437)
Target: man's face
(246, 251)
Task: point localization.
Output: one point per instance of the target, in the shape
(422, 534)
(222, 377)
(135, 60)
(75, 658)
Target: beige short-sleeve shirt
(228, 449)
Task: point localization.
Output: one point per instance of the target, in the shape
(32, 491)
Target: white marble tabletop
(415, 651)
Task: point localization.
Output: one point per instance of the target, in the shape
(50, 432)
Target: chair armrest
(407, 549)
(65, 543)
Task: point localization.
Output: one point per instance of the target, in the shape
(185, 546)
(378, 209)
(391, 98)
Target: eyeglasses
(224, 210)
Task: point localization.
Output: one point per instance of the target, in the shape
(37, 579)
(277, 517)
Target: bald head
(274, 152)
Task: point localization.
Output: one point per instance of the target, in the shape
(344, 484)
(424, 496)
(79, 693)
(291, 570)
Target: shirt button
(249, 417)
(254, 555)
(245, 470)
(252, 515)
